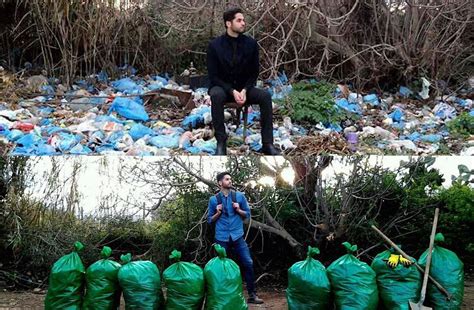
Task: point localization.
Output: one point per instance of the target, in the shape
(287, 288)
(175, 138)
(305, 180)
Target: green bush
(313, 102)
(462, 126)
(457, 220)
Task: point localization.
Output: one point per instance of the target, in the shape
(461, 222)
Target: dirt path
(274, 299)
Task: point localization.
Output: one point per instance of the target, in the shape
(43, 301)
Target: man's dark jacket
(233, 63)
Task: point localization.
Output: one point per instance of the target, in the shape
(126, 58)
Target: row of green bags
(356, 285)
(141, 284)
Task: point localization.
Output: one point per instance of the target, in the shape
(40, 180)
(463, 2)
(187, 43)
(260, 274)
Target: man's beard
(238, 30)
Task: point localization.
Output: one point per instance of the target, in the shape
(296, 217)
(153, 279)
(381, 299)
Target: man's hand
(236, 206)
(217, 214)
(243, 95)
(240, 97)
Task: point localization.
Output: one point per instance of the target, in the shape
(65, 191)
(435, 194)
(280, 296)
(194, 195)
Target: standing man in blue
(233, 67)
(228, 209)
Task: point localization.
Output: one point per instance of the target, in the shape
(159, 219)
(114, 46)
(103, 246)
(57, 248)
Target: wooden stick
(392, 244)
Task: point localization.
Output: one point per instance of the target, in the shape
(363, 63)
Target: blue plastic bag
(205, 147)
(4, 131)
(14, 135)
(344, 104)
(443, 110)
(52, 130)
(28, 141)
(397, 115)
(44, 149)
(68, 141)
(138, 131)
(196, 118)
(433, 138)
(372, 99)
(127, 85)
(165, 141)
(47, 89)
(129, 109)
(102, 77)
(405, 91)
(335, 127)
(80, 149)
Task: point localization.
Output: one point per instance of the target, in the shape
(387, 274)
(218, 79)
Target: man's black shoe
(253, 299)
(270, 149)
(221, 148)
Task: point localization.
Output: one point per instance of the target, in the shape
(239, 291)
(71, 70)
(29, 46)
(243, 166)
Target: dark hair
(221, 175)
(229, 14)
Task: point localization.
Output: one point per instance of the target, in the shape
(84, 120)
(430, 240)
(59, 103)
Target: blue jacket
(230, 223)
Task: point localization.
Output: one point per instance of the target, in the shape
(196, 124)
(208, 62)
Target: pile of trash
(100, 286)
(103, 116)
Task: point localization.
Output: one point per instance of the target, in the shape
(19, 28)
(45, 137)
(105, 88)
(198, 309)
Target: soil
(274, 299)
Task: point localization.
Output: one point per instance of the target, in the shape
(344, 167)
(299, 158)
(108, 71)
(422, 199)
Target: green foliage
(466, 175)
(313, 102)
(457, 219)
(462, 126)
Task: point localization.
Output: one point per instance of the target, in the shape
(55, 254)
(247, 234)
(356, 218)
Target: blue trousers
(240, 249)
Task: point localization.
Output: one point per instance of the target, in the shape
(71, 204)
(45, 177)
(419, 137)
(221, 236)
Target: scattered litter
(98, 115)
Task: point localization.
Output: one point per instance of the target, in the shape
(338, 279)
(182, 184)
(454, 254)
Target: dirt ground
(274, 299)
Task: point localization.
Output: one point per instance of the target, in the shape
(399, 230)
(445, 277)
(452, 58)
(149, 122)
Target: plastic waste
(129, 109)
(448, 270)
(185, 284)
(141, 284)
(165, 141)
(425, 91)
(444, 111)
(397, 115)
(397, 285)
(66, 282)
(432, 138)
(138, 131)
(80, 149)
(224, 283)
(103, 289)
(351, 107)
(126, 85)
(352, 140)
(185, 140)
(401, 145)
(371, 99)
(353, 282)
(196, 117)
(254, 141)
(405, 91)
(308, 284)
(201, 146)
(355, 98)
(377, 132)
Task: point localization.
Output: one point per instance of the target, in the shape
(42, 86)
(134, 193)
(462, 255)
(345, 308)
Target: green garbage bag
(448, 270)
(224, 283)
(66, 282)
(308, 284)
(185, 284)
(102, 286)
(398, 285)
(141, 284)
(353, 282)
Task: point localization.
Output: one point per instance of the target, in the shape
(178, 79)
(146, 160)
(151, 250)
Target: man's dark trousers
(240, 248)
(254, 96)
